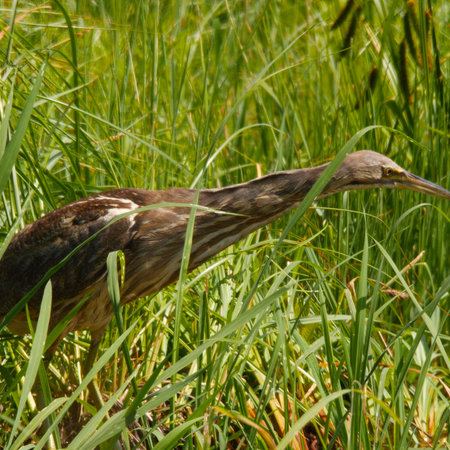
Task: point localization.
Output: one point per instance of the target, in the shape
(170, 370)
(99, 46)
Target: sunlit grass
(340, 334)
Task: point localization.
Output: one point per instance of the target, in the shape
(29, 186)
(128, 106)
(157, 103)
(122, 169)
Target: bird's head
(367, 169)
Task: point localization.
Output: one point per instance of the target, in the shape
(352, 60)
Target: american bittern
(152, 241)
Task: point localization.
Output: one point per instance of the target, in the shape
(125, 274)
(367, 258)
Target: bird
(152, 240)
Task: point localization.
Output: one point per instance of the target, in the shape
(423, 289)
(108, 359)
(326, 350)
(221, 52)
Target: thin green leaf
(35, 355)
(14, 145)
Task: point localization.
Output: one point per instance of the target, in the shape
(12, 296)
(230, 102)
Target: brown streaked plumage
(153, 240)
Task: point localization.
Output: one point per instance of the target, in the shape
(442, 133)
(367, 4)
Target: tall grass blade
(420, 309)
(13, 146)
(308, 416)
(37, 420)
(87, 379)
(114, 293)
(4, 125)
(35, 356)
(84, 436)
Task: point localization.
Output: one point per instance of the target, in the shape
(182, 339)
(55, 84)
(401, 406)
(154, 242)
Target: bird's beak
(415, 183)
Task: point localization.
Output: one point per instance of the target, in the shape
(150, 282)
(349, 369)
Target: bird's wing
(46, 242)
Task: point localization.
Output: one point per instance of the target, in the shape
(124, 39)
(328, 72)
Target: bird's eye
(388, 171)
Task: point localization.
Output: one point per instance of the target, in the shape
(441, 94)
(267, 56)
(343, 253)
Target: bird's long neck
(265, 198)
(253, 204)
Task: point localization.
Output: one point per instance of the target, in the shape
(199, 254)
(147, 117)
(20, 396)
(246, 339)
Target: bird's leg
(94, 392)
(41, 401)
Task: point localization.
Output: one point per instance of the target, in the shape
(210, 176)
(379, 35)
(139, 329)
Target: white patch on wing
(112, 213)
(120, 201)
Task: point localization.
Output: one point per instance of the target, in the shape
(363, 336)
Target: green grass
(325, 332)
